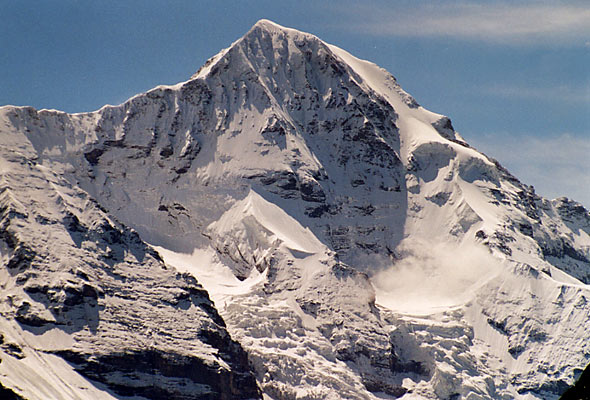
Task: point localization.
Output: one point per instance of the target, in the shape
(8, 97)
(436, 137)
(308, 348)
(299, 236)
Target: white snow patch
(271, 217)
(41, 375)
(216, 277)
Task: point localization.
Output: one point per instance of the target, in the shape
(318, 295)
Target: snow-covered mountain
(351, 241)
(88, 310)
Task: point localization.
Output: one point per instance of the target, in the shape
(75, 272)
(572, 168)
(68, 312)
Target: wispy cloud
(490, 21)
(556, 166)
(563, 93)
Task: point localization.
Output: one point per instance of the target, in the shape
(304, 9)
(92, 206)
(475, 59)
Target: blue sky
(513, 76)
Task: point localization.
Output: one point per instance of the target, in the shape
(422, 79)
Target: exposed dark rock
(8, 394)
(309, 307)
(374, 386)
(109, 233)
(166, 152)
(562, 248)
(93, 156)
(366, 210)
(527, 199)
(572, 211)
(12, 349)
(500, 326)
(411, 366)
(73, 224)
(551, 387)
(25, 316)
(440, 198)
(515, 350)
(526, 229)
(500, 241)
(311, 191)
(446, 130)
(21, 258)
(188, 372)
(581, 389)
(317, 212)
(481, 235)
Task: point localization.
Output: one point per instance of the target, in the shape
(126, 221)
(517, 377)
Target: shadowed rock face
(8, 394)
(192, 377)
(136, 326)
(581, 389)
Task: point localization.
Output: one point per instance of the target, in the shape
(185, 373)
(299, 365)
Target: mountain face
(352, 244)
(83, 297)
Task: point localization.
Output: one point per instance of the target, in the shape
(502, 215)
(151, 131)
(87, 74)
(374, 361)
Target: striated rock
(134, 326)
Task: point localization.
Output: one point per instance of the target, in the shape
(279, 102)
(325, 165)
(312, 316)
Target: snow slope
(353, 243)
(89, 311)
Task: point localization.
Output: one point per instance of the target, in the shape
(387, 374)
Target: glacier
(288, 223)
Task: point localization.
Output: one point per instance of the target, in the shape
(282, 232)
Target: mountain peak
(264, 34)
(269, 25)
(352, 242)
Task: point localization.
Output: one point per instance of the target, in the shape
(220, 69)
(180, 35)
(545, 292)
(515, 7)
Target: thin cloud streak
(559, 93)
(556, 166)
(499, 22)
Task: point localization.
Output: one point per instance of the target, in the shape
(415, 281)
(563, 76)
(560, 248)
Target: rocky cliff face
(83, 294)
(354, 244)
